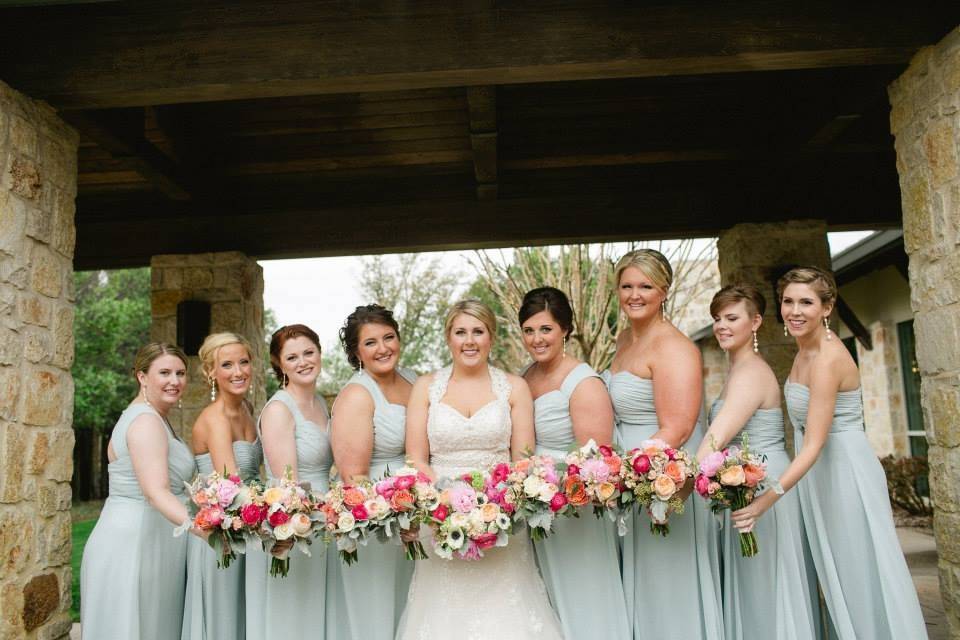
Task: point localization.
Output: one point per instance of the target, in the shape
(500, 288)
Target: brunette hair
(153, 350)
(474, 309)
(548, 299)
(280, 337)
(733, 293)
(651, 262)
(350, 331)
(820, 280)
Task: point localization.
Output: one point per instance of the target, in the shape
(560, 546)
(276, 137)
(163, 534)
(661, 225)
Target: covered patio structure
(198, 138)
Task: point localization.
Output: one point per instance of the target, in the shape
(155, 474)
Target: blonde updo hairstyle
(820, 280)
(652, 263)
(211, 347)
(150, 352)
(474, 309)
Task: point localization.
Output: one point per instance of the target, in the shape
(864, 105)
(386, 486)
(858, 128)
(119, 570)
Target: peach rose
(665, 487)
(402, 500)
(605, 490)
(575, 491)
(272, 495)
(352, 497)
(489, 511)
(522, 465)
(675, 470)
(301, 524)
(753, 474)
(733, 476)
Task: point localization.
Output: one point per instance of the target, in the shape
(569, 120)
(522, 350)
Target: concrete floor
(921, 553)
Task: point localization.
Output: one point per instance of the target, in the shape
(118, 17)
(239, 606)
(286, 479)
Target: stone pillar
(757, 254)
(884, 413)
(38, 184)
(233, 285)
(925, 119)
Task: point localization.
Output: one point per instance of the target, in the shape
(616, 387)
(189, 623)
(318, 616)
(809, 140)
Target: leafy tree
(269, 328)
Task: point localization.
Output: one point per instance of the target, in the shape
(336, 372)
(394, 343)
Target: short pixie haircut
(280, 337)
(734, 293)
(548, 299)
(474, 309)
(820, 280)
(350, 331)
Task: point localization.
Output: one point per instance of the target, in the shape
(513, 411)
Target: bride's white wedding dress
(500, 596)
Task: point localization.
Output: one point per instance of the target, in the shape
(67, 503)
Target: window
(916, 435)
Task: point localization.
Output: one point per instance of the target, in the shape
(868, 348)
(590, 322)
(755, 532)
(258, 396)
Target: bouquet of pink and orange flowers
(353, 512)
(530, 491)
(412, 496)
(466, 522)
(729, 479)
(595, 475)
(655, 473)
(284, 515)
(216, 504)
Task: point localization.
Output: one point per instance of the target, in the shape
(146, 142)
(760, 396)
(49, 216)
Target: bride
(462, 418)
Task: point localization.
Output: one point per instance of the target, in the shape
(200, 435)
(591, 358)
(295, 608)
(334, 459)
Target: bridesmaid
(571, 406)
(368, 440)
(656, 385)
(841, 486)
(134, 568)
(293, 428)
(224, 438)
(770, 591)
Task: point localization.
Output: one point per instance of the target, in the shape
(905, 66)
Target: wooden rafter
(482, 105)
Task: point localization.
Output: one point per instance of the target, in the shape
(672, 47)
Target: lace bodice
(459, 444)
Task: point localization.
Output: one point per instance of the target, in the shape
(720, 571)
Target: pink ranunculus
(712, 463)
(595, 471)
(386, 487)
(573, 470)
(440, 513)
(702, 485)
(405, 482)
(500, 473)
(360, 512)
(252, 514)
(641, 464)
(278, 518)
(486, 540)
(605, 451)
(558, 501)
(671, 453)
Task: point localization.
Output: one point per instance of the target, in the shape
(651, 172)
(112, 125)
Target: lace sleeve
(438, 388)
(501, 384)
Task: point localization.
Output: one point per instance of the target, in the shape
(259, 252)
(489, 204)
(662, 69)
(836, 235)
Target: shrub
(906, 478)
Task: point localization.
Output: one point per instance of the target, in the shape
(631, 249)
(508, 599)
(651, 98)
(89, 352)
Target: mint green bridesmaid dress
(770, 594)
(849, 525)
(580, 561)
(215, 599)
(375, 588)
(134, 570)
(308, 603)
(672, 584)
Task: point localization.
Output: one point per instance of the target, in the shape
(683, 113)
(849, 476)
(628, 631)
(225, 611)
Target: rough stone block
(197, 278)
(23, 137)
(54, 546)
(13, 440)
(44, 397)
(56, 461)
(11, 346)
(938, 340)
(41, 598)
(36, 344)
(46, 272)
(57, 628)
(13, 222)
(226, 316)
(53, 497)
(172, 278)
(15, 268)
(918, 221)
(64, 232)
(944, 469)
(25, 179)
(9, 392)
(945, 526)
(16, 540)
(941, 412)
(34, 309)
(164, 303)
(63, 336)
(940, 146)
(11, 608)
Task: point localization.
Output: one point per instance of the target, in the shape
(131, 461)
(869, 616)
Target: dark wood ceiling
(298, 128)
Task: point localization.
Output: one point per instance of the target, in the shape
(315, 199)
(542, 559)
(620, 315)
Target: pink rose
(558, 501)
(405, 482)
(235, 479)
(605, 451)
(712, 463)
(573, 470)
(440, 513)
(671, 453)
(500, 473)
(252, 514)
(360, 512)
(226, 492)
(641, 464)
(486, 540)
(702, 485)
(278, 518)
(385, 487)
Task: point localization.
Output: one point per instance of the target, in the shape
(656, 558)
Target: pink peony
(641, 464)
(253, 514)
(702, 485)
(559, 501)
(278, 518)
(385, 487)
(226, 492)
(405, 482)
(360, 512)
(463, 498)
(595, 471)
(712, 463)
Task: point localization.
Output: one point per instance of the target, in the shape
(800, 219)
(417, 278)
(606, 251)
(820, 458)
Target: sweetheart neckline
(472, 416)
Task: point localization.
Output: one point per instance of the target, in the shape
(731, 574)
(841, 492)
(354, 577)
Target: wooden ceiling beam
(482, 107)
(177, 51)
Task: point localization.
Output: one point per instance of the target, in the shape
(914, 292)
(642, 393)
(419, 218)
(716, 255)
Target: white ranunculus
(283, 531)
(532, 485)
(346, 521)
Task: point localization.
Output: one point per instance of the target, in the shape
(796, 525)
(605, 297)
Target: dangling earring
(826, 325)
(663, 310)
(361, 366)
(213, 390)
(756, 345)
(283, 381)
(564, 346)
(180, 404)
(786, 333)
(143, 389)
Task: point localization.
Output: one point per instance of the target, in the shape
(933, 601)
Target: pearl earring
(756, 345)
(283, 381)
(361, 367)
(786, 332)
(826, 325)
(213, 390)
(564, 346)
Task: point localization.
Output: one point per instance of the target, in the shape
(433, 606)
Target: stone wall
(233, 285)
(884, 414)
(757, 254)
(38, 176)
(925, 120)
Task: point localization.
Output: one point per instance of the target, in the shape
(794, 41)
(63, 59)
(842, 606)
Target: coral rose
(614, 463)
(606, 490)
(576, 492)
(665, 487)
(402, 500)
(209, 517)
(352, 496)
(733, 476)
(675, 470)
(753, 474)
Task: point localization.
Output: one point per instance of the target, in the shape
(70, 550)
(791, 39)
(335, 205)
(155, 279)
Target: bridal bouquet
(466, 522)
(411, 497)
(530, 491)
(655, 473)
(216, 504)
(595, 476)
(729, 479)
(285, 515)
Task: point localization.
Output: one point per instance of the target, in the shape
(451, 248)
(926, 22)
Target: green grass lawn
(81, 531)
